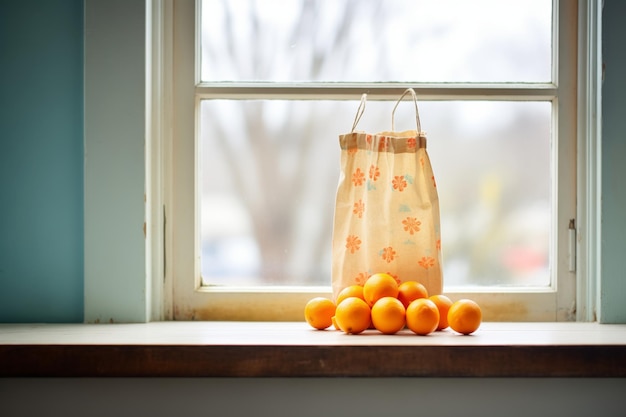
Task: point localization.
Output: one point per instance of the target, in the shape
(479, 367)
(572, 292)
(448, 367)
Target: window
(262, 94)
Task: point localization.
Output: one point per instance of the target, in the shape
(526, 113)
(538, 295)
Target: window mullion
(326, 91)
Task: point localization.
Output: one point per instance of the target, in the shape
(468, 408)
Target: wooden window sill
(262, 349)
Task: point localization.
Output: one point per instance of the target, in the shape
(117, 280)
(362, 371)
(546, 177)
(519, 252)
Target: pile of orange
(383, 304)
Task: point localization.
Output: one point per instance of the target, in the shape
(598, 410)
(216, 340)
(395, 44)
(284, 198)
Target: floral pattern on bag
(386, 211)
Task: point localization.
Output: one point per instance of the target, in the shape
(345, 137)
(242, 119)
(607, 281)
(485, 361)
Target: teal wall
(612, 289)
(41, 161)
(42, 174)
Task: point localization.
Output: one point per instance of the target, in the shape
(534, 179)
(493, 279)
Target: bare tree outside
(269, 168)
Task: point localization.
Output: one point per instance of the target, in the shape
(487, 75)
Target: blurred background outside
(269, 169)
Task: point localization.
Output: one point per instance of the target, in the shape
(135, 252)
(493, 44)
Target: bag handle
(361, 110)
(417, 114)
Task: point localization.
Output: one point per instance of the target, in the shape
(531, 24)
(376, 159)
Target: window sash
(192, 301)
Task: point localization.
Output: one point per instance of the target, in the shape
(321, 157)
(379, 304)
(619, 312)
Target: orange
(422, 316)
(319, 312)
(388, 315)
(411, 290)
(464, 316)
(335, 325)
(350, 291)
(353, 315)
(443, 304)
(378, 286)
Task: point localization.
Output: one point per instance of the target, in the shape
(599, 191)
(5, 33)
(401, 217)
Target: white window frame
(186, 299)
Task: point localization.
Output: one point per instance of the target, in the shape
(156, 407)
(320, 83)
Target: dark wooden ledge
(236, 349)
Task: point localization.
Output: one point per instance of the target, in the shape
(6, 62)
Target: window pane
(269, 173)
(376, 40)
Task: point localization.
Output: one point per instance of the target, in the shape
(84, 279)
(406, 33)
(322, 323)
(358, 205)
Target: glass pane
(269, 173)
(377, 40)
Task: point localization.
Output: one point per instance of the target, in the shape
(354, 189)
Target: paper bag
(387, 208)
